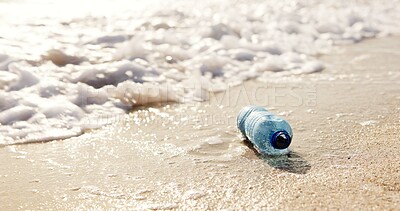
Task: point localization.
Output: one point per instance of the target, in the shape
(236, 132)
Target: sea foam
(61, 74)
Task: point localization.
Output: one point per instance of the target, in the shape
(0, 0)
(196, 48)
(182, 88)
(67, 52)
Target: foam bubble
(5, 60)
(26, 78)
(18, 113)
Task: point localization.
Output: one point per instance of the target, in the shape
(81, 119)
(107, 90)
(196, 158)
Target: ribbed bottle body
(269, 133)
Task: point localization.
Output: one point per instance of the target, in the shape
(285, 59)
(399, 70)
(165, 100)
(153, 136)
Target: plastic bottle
(269, 133)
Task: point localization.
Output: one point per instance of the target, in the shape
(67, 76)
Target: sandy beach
(346, 124)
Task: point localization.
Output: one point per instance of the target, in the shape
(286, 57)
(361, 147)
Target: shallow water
(71, 66)
(190, 156)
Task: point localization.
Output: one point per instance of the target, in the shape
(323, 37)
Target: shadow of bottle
(291, 162)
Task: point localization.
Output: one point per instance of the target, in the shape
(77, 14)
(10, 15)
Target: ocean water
(66, 64)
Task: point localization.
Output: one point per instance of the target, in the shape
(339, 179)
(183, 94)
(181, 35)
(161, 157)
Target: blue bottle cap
(280, 140)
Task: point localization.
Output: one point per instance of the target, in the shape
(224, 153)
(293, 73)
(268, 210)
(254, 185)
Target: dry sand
(345, 149)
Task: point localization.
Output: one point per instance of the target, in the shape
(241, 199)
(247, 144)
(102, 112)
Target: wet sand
(346, 124)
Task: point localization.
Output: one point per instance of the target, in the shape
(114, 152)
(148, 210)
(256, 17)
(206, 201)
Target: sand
(346, 124)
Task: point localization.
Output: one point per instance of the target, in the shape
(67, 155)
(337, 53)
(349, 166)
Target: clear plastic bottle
(269, 133)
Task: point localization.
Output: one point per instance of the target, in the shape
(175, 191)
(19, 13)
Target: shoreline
(344, 151)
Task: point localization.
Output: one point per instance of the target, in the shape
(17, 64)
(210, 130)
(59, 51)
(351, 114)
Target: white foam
(26, 77)
(5, 60)
(6, 78)
(368, 123)
(15, 114)
(84, 71)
